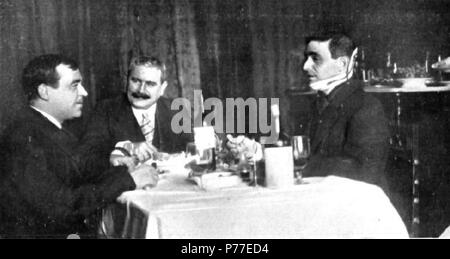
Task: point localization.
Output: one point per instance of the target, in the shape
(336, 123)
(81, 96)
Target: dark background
(227, 48)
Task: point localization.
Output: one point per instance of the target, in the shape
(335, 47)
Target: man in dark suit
(45, 192)
(349, 132)
(138, 122)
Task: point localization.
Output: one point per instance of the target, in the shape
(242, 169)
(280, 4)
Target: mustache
(140, 95)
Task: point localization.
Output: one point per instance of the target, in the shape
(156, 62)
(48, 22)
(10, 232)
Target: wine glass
(301, 151)
(191, 149)
(204, 158)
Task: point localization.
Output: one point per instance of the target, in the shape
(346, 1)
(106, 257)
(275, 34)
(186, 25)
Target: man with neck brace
(348, 130)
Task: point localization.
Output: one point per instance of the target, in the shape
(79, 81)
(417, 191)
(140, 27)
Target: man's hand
(235, 145)
(118, 160)
(243, 145)
(143, 150)
(145, 176)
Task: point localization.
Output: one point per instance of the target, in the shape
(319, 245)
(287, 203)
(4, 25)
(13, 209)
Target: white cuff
(122, 144)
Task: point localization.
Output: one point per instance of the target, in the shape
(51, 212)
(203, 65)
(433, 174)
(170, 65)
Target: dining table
(320, 207)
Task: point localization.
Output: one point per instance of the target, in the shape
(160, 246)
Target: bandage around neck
(326, 85)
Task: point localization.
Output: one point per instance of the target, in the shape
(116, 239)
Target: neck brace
(327, 85)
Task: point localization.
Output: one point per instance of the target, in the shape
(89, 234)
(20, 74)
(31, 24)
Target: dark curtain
(228, 48)
(254, 48)
(102, 35)
(164, 29)
(224, 41)
(35, 27)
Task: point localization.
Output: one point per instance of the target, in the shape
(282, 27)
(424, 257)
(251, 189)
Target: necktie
(147, 128)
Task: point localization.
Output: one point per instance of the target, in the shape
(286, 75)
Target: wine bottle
(363, 68)
(394, 71)
(283, 138)
(440, 77)
(205, 143)
(388, 68)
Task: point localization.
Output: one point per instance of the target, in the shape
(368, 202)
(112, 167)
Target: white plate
(414, 82)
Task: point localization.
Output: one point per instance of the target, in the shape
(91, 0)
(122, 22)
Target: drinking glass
(191, 149)
(301, 151)
(204, 158)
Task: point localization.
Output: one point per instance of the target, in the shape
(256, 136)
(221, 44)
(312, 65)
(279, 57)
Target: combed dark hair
(42, 70)
(148, 61)
(340, 44)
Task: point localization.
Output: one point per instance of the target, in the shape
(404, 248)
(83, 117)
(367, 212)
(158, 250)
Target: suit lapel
(126, 122)
(335, 110)
(324, 123)
(63, 141)
(162, 122)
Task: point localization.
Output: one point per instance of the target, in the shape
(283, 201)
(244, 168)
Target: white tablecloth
(446, 233)
(330, 207)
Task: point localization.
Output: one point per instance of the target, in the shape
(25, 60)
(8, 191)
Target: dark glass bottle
(283, 138)
(363, 67)
(389, 66)
(427, 63)
(440, 76)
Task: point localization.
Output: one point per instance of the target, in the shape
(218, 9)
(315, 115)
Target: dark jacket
(44, 193)
(349, 136)
(114, 121)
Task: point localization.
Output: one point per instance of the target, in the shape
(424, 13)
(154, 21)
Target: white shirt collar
(327, 85)
(334, 85)
(49, 117)
(150, 113)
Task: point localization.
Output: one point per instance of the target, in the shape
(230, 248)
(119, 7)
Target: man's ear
(343, 62)
(43, 91)
(163, 88)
